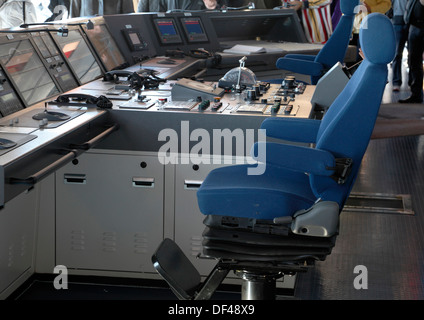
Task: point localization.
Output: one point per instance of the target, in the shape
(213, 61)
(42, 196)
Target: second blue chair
(333, 51)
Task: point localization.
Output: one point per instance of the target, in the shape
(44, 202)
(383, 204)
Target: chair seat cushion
(230, 191)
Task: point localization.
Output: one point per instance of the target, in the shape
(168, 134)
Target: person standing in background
(13, 13)
(165, 5)
(414, 16)
(336, 13)
(316, 18)
(401, 31)
(84, 8)
(366, 7)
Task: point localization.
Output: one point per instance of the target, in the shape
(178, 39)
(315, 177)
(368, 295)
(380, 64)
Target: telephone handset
(101, 101)
(136, 81)
(200, 54)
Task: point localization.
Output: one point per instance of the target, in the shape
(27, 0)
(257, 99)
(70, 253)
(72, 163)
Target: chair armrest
(308, 57)
(295, 130)
(301, 66)
(297, 158)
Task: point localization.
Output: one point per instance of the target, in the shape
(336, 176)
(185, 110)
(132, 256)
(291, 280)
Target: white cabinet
(17, 239)
(188, 218)
(109, 212)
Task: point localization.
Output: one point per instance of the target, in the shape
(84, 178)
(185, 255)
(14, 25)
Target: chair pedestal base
(258, 286)
(259, 254)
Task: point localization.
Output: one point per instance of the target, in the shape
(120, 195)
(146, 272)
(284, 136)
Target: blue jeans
(416, 50)
(401, 31)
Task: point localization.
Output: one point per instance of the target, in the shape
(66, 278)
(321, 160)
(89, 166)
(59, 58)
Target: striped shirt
(316, 19)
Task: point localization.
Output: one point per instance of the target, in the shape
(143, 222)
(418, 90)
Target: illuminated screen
(193, 26)
(105, 46)
(167, 31)
(166, 27)
(194, 29)
(27, 71)
(79, 56)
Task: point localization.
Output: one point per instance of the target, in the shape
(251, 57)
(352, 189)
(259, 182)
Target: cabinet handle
(192, 184)
(143, 182)
(89, 144)
(70, 155)
(45, 171)
(75, 178)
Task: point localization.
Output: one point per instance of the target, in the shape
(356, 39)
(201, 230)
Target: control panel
(288, 99)
(105, 46)
(156, 34)
(54, 61)
(80, 57)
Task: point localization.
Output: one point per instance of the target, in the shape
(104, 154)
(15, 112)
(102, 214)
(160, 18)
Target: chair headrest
(377, 38)
(347, 7)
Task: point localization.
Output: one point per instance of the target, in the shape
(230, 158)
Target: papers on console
(245, 49)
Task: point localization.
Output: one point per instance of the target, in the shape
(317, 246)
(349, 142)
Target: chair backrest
(346, 128)
(335, 48)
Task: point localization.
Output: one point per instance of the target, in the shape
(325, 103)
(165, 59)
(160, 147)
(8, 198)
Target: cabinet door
(17, 237)
(188, 218)
(109, 212)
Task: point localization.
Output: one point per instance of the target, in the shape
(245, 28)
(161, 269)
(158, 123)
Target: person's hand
(361, 54)
(210, 4)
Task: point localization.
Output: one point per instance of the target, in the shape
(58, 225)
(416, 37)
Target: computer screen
(193, 29)
(9, 100)
(79, 56)
(167, 31)
(54, 60)
(27, 71)
(105, 46)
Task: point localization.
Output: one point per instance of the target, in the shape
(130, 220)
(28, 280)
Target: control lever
(242, 63)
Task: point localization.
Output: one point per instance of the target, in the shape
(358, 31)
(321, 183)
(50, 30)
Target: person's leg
(416, 49)
(401, 38)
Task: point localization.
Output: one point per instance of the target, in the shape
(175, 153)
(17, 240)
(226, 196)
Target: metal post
(258, 286)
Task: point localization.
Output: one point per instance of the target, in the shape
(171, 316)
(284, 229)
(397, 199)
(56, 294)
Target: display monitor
(79, 56)
(167, 31)
(134, 39)
(105, 46)
(56, 65)
(194, 30)
(9, 100)
(27, 71)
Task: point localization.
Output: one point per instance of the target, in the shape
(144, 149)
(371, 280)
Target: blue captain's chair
(262, 226)
(333, 51)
